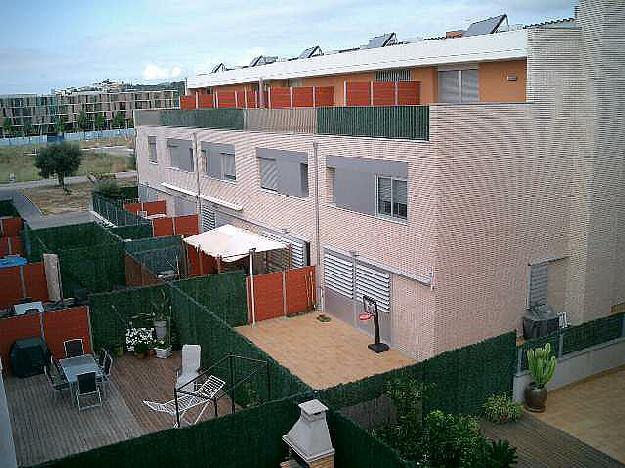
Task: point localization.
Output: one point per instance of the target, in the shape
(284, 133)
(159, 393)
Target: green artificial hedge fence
(114, 212)
(460, 380)
(158, 254)
(251, 437)
(356, 448)
(225, 295)
(140, 231)
(7, 208)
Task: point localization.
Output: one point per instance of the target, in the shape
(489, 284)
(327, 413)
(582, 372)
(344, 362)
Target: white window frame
(153, 156)
(459, 70)
(392, 216)
(222, 176)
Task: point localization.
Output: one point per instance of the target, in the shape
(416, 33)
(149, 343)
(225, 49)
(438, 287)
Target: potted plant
(138, 340)
(163, 349)
(160, 312)
(141, 349)
(541, 365)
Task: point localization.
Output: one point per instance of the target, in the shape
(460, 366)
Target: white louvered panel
(208, 218)
(375, 284)
(338, 275)
(539, 277)
(298, 248)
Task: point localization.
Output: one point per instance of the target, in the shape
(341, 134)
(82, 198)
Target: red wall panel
(11, 246)
(408, 93)
(186, 225)
(66, 324)
(303, 97)
(300, 290)
(35, 285)
(187, 102)
(324, 96)
(252, 99)
(358, 93)
(267, 296)
(199, 264)
(225, 99)
(151, 207)
(279, 98)
(16, 328)
(132, 207)
(11, 227)
(163, 227)
(383, 93)
(205, 101)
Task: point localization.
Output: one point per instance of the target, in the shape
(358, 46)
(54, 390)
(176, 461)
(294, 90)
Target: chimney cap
(312, 407)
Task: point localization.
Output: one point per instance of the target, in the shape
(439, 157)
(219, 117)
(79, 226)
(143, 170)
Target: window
(152, 155)
(392, 197)
(458, 86)
(181, 154)
(219, 161)
(303, 173)
(393, 75)
(269, 174)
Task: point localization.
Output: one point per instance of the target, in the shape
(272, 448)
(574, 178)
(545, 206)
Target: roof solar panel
(487, 26)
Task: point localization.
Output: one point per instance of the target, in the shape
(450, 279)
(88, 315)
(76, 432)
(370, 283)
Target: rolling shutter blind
(213, 168)
(375, 284)
(229, 166)
(152, 155)
(400, 198)
(449, 86)
(208, 218)
(384, 195)
(181, 156)
(539, 276)
(338, 275)
(268, 174)
(470, 86)
(303, 173)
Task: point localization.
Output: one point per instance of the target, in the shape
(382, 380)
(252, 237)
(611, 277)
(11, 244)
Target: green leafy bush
(500, 454)
(501, 409)
(541, 365)
(451, 440)
(108, 188)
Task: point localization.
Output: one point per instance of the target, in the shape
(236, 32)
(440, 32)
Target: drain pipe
(197, 178)
(252, 286)
(320, 297)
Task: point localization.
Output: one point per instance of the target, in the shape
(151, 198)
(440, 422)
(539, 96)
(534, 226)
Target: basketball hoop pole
(377, 346)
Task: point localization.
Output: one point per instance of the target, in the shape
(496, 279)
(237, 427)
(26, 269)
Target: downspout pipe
(320, 296)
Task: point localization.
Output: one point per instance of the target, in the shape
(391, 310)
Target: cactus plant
(541, 365)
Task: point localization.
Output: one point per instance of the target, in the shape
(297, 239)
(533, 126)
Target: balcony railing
(397, 122)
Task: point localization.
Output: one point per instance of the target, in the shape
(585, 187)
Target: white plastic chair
(202, 396)
(191, 357)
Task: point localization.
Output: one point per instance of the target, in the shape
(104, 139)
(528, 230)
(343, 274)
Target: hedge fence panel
(7, 208)
(251, 437)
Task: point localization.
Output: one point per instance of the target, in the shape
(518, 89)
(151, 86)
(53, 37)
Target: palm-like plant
(541, 365)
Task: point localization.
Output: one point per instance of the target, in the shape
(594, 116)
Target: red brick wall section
(303, 96)
(269, 295)
(35, 284)
(66, 324)
(11, 227)
(408, 93)
(11, 246)
(205, 101)
(383, 93)
(16, 328)
(187, 102)
(324, 96)
(358, 93)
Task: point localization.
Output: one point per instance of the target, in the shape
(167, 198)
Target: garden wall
(11, 246)
(186, 225)
(20, 282)
(11, 226)
(150, 207)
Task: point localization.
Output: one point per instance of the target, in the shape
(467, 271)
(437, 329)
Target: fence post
(284, 303)
(560, 343)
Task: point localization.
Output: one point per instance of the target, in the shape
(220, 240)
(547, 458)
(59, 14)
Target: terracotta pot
(535, 398)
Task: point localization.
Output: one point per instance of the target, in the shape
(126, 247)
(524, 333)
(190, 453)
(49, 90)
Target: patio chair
(191, 356)
(57, 383)
(106, 371)
(101, 358)
(87, 387)
(73, 348)
(200, 397)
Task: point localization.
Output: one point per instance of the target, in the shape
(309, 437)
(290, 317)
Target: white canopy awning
(232, 243)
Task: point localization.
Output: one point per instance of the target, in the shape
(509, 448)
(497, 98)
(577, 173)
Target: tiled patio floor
(322, 354)
(47, 426)
(593, 411)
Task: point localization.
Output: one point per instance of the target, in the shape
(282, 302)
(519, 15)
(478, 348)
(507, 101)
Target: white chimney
(310, 436)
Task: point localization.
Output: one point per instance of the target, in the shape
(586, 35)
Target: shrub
(541, 365)
(501, 409)
(109, 188)
(500, 454)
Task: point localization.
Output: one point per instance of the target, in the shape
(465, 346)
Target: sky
(55, 44)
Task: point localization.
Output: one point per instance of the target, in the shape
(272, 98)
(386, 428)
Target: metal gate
(346, 280)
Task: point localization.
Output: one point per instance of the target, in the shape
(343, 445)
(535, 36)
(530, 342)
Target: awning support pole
(252, 286)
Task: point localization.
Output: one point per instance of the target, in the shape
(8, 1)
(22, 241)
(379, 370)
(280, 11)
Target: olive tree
(60, 159)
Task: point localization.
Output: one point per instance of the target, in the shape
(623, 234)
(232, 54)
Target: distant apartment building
(458, 181)
(32, 114)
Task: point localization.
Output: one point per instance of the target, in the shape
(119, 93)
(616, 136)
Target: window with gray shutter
(400, 199)
(229, 165)
(181, 154)
(449, 86)
(219, 160)
(268, 174)
(392, 197)
(539, 276)
(469, 86)
(338, 275)
(303, 173)
(373, 283)
(152, 154)
(213, 164)
(385, 196)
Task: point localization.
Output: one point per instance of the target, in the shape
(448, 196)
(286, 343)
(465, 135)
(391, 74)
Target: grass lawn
(20, 161)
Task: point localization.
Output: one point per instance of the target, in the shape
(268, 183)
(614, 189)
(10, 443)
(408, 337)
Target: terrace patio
(47, 426)
(322, 354)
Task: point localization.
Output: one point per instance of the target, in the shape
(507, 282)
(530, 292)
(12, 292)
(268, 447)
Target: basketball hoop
(365, 316)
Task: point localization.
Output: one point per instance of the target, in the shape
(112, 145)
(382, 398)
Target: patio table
(79, 365)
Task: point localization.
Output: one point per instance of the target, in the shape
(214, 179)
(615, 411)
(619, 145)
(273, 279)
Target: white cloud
(154, 72)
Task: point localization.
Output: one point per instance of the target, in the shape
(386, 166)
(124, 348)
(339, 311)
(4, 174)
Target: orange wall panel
(225, 99)
(383, 93)
(186, 225)
(338, 83)
(16, 328)
(358, 93)
(303, 96)
(66, 324)
(279, 98)
(268, 298)
(324, 96)
(11, 227)
(205, 101)
(428, 78)
(300, 290)
(11, 246)
(494, 85)
(163, 227)
(187, 102)
(408, 93)
(35, 285)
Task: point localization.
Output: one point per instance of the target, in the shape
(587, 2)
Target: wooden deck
(47, 426)
(322, 354)
(540, 445)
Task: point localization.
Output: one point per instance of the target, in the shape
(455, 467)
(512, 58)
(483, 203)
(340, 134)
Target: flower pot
(160, 327)
(163, 353)
(535, 398)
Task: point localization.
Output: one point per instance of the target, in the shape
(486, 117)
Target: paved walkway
(540, 445)
(53, 181)
(322, 354)
(592, 410)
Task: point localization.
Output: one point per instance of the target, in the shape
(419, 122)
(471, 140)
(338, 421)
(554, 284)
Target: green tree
(60, 159)
(99, 122)
(59, 125)
(28, 128)
(119, 120)
(7, 127)
(82, 122)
